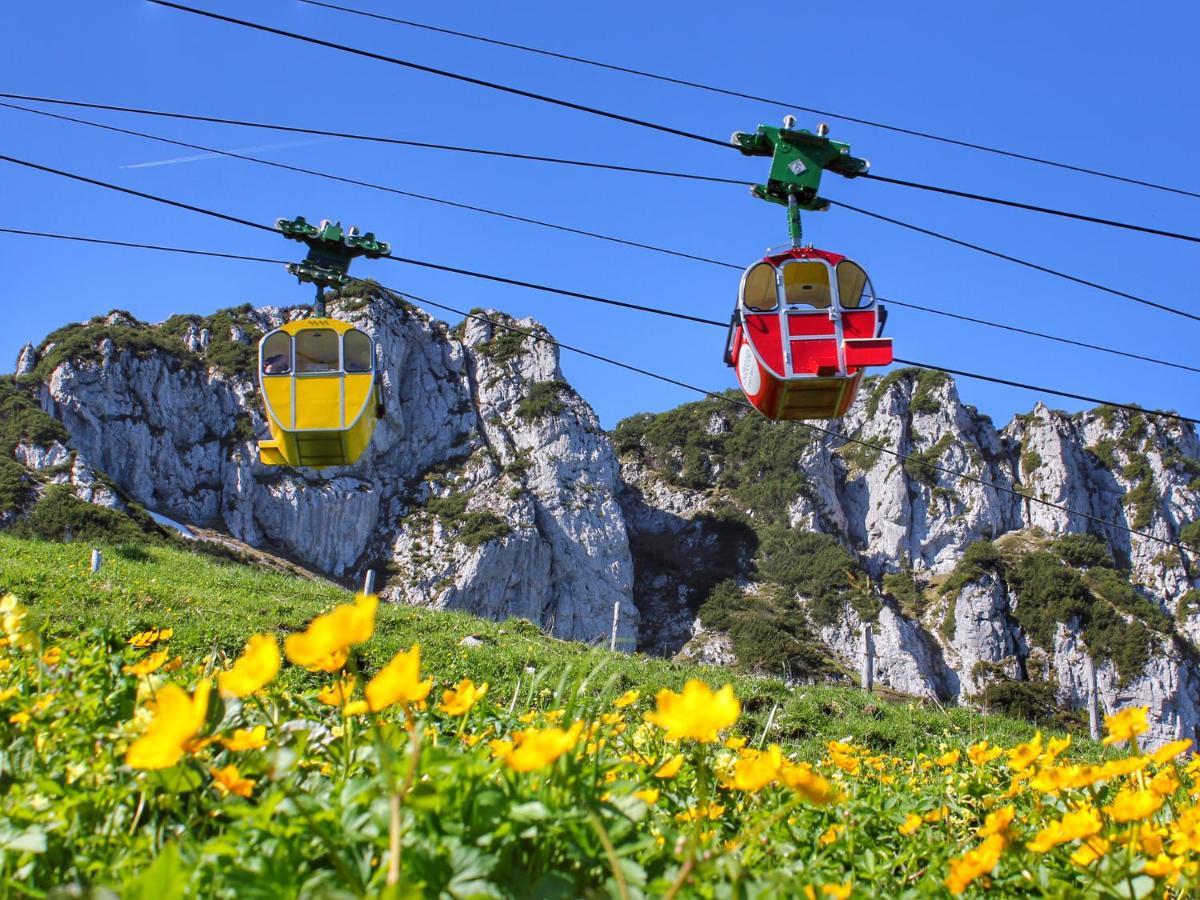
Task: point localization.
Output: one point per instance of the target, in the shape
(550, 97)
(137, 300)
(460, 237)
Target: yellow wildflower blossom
(1168, 752)
(974, 864)
(912, 822)
(1126, 725)
(698, 713)
(326, 643)
(831, 834)
(999, 822)
(458, 702)
(1164, 783)
(246, 739)
(253, 670)
(804, 781)
(1091, 850)
(627, 699)
(147, 665)
(20, 718)
(948, 760)
(649, 796)
(1134, 805)
(144, 639)
(710, 811)
(837, 891)
(1082, 823)
(229, 781)
(756, 769)
(536, 748)
(177, 719)
(1162, 866)
(398, 682)
(670, 768)
(52, 657)
(337, 693)
(982, 753)
(1022, 756)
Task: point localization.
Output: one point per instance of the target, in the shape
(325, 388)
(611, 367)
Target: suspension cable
(728, 92)
(605, 166)
(643, 123)
(545, 288)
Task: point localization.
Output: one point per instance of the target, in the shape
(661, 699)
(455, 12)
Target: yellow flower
(1163, 866)
(698, 713)
(398, 682)
(144, 639)
(1164, 783)
(229, 781)
(998, 822)
(1054, 748)
(711, 811)
(254, 669)
(831, 834)
(536, 748)
(757, 769)
(649, 796)
(737, 742)
(356, 708)
(1133, 806)
(500, 749)
(1022, 756)
(326, 643)
(247, 739)
(148, 664)
(837, 891)
(1082, 823)
(981, 754)
(177, 719)
(946, 760)
(974, 863)
(1127, 765)
(337, 693)
(52, 657)
(8, 693)
(936, 815)
(627, 699)
(670, 768)
(911, 823)
(1126, 724)
(1168, 752)
(803, 780)
(458, 702)
(19, 718)
(1091, 850)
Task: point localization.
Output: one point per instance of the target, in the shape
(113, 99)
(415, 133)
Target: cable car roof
(309, 324)
(777, 258)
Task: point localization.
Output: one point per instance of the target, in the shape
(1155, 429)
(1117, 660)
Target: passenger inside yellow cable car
(320, 391)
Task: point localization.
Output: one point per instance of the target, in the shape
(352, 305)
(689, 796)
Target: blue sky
(1090, 84)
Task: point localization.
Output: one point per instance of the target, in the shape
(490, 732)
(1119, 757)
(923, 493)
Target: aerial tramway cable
(558, 291)
(641, 371)
(642, 123)
(602, 166)
(568, 229)
(729, 92)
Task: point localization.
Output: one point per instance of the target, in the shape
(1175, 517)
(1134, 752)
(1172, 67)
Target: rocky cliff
(489, 486)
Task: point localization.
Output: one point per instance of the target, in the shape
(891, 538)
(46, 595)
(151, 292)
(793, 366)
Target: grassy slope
(214, 606)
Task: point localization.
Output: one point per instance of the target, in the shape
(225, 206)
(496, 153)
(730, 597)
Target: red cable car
(807, 324)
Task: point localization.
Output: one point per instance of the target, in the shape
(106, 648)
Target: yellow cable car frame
(318, 379)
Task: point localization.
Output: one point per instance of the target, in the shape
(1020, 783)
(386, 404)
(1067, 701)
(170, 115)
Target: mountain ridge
(490, 487)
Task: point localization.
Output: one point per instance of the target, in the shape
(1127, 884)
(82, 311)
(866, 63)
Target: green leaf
(176, 780)
(164, 880)
(533, 811)
(32, 840)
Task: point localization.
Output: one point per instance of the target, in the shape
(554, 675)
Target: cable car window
(317, 350)
(806, 284)
(357, 352)
(277, 354)
(854, 289)
(758, 288)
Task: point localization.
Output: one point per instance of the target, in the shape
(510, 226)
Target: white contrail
(201, 156)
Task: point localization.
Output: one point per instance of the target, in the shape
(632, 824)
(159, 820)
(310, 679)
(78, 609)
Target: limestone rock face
(490, 487)
(519, 480)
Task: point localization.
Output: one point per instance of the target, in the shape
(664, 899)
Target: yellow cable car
(320, 392)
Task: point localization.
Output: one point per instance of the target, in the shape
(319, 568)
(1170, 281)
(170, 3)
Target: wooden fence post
(1093, 697)
(612, 643)
(868, 662)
